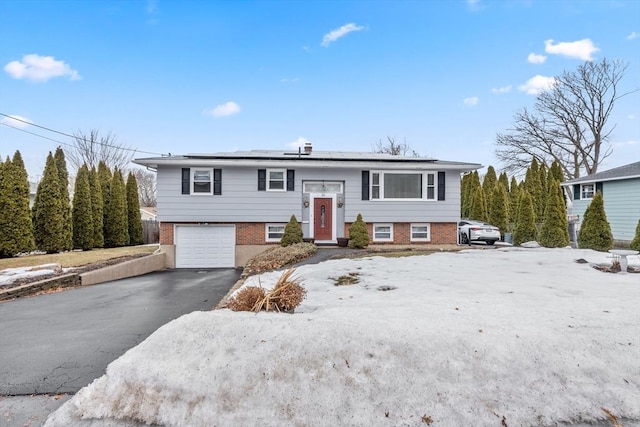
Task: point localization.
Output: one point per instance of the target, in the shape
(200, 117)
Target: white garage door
(205, 246)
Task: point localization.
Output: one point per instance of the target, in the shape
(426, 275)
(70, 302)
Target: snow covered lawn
(504, 337)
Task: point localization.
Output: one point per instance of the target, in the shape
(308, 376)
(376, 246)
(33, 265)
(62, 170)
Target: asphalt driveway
(60, 342)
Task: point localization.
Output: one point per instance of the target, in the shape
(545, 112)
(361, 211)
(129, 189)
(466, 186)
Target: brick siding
(253, 233)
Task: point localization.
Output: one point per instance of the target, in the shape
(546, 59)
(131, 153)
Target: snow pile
(507, 336)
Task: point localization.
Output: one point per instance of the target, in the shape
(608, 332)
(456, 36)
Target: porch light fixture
(340, 201)
(306, 201)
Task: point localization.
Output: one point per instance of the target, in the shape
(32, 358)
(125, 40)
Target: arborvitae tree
(116, 226)
(555, 228)
(533, 187)
(292, 232)
(96, 209)
(499, 212)
(48, 225)
(555, 171)
(525, 227)
(465, 182)
(478, 206)
(489, 181)
(16, 235)
(635, 243)
(105, 176)
(595, 231)
(358, 234)
(514, 200)
(544, 191)
(133, 211)
(82, 213)
(475, 183)
(504, 181)
(63, 181)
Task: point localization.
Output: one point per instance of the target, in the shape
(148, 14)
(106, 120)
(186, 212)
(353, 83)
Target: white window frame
(421, 239)
(266, 232)
(583, 191)
(425, 185)
(382, 239)
(284, 180)
(193, 182)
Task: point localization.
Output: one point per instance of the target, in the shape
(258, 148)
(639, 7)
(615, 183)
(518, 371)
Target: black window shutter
(441, 183)
(576, 191)
(217, 182)
(262, 180)
(186, 180)
(599, 187)
(365, 185)
(291, 180)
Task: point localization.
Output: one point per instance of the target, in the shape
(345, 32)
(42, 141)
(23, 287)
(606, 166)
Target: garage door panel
(205, 246)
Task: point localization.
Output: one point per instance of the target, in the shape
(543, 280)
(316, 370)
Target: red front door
(322, 220)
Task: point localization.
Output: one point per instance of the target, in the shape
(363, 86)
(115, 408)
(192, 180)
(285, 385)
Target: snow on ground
(517, 337)
(10, 275)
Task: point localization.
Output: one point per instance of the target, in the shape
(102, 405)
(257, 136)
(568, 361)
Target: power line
(70, 136)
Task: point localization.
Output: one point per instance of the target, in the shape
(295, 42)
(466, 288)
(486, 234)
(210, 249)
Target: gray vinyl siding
(242, 202)
(622, 206)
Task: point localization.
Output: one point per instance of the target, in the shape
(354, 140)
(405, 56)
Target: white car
(477, 231)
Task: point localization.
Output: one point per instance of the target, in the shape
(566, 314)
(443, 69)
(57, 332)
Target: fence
(150, 231)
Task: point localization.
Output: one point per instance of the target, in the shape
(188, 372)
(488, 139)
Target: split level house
(620, 188)
(220, 209)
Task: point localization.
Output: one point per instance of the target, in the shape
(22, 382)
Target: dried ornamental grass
(285, 296)
(246, 298)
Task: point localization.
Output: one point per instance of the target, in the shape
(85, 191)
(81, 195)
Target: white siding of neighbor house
(242, 202)
(622, 207)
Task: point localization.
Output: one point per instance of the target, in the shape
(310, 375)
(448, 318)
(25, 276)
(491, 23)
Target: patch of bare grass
(77, 258)
(347, 279)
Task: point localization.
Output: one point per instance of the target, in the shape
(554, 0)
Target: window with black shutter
(186, 180)
(441, 185)
(217, 182)
(291, 180)
(262, 180)
(365, 185)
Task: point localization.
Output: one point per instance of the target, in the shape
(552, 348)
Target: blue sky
(205, 76)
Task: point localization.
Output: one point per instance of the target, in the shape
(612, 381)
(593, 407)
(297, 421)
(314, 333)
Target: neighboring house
(33, 189)
(620, 188)
(148, 213)
(218, 210)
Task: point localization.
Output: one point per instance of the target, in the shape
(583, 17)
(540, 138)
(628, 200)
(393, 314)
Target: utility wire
(70, 136)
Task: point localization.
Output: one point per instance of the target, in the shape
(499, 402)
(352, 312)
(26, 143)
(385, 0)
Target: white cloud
(537, 84)
(299, 143)
(38, 68)
(631, 142)
(16, 121)
(633, 35)
(534, 58)
(504, 89)
(471, 101)
(631, 116)
(580, 49)
(289, 80)
(334, 35)
(224, 110)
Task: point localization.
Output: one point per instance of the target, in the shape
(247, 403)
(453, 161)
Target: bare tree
(390, 146)
(93, 148)
(146, 186)
(568, 122)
